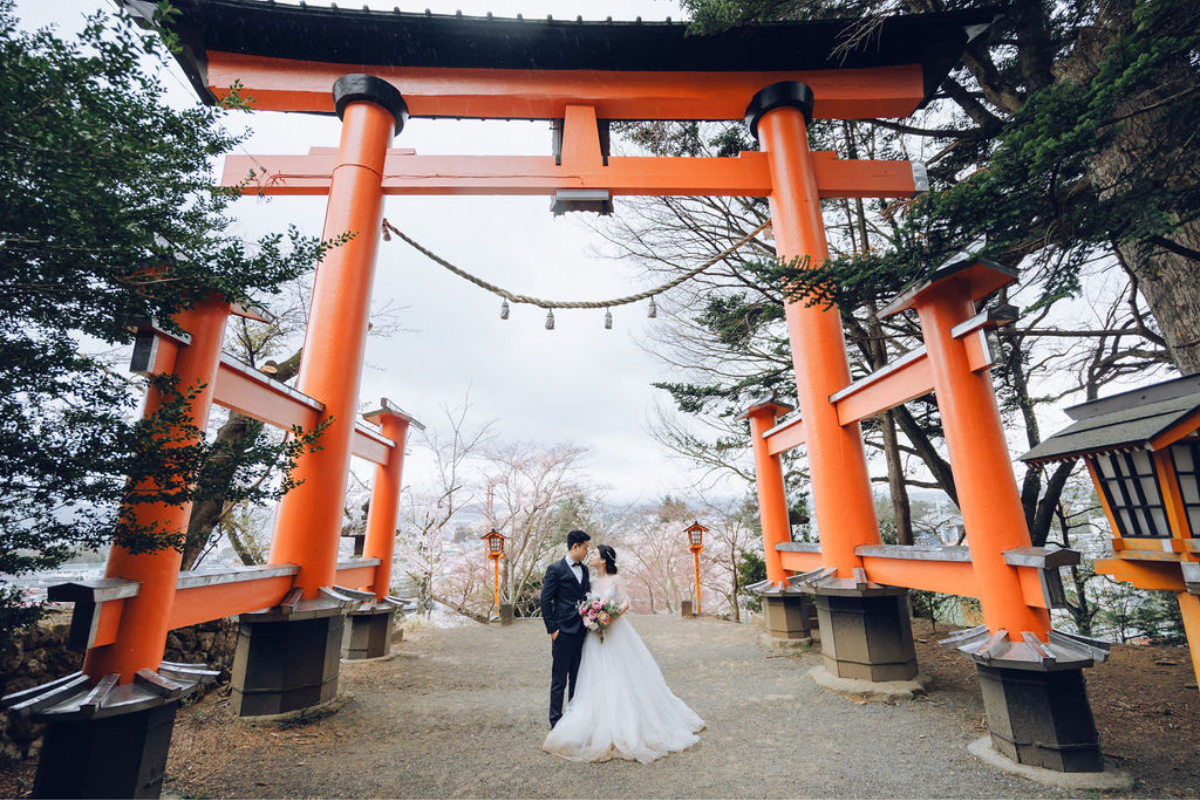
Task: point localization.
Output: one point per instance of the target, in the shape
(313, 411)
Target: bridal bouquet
(598, 615)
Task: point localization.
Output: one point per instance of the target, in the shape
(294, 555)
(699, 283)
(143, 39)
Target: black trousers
(566, 649)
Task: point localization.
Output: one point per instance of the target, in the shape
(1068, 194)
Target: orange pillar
(979, 458)
(841, 489)
(309, 518)
(496, 583)
(142, 634)
(1189, 609)
(385, 501)
(696, 554)
(772, 499)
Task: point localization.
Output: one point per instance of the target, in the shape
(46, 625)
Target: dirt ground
(1144, 700)
(461, 713)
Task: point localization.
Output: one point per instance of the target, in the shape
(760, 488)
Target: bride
(622, 707)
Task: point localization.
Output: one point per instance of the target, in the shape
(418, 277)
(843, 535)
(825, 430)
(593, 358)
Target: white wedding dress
(622, 707)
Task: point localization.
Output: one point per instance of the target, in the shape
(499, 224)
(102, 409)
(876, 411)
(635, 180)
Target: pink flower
(597, 605)
(591, 614)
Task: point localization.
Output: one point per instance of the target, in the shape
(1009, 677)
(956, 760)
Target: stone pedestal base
(867, 637)
(283, 664)
(369, 633)
(786, 617)
(1041, 718)
(685, 609)
(124, 755)
(890, 692)
(506, 614)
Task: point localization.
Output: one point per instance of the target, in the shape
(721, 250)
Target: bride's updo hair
(610, 559)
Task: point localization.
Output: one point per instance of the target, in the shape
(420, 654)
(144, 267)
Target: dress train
(622, 707)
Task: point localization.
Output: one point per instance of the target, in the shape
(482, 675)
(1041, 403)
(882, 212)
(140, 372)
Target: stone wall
(36, 657)
(41, 655)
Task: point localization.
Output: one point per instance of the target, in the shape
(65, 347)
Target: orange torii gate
(374, 70)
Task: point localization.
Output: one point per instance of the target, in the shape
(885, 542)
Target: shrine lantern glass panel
(1131, 488)
(1185, 456)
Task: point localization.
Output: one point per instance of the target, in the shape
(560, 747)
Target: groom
(563, 589)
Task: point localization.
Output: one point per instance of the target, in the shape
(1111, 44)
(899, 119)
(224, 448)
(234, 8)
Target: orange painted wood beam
(203, 595)
(800, 562)
(906, 378)
(279, 84)
(1144, 574)
(1177, 431)
(206, 603)
(945, 570)
(361, 577)
(784, 437)
(248, 391)
(109, 622)
(947, 577)
(370, 445)
(744, 176)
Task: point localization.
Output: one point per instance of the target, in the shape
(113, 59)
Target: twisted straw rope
(539, 302)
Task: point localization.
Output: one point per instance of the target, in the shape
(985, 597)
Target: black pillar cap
(350, 88)
(785, 94)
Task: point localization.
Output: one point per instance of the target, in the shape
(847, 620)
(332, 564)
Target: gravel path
(461, 713)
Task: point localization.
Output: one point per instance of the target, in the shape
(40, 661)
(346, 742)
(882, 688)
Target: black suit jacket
(561, 597)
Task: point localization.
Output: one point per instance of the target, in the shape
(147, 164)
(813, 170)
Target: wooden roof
(1138, 419)
(363, 38)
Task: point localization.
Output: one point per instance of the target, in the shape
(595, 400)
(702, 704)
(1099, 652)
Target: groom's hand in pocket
(554, 636)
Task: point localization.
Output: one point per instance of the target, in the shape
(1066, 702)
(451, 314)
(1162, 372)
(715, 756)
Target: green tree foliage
(1071, 134)
(751, 570)
(107, 216)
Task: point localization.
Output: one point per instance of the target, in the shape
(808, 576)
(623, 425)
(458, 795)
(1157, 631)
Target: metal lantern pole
(695, 533)
(495, 545)
(496, 582)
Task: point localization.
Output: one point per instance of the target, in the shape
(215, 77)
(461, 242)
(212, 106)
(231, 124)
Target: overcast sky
(578, 383)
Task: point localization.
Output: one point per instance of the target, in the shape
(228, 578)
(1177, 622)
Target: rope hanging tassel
(508, 297)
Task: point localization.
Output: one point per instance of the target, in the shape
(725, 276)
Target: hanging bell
(607, 320)
(503, 309)
(550, 320)
(387, 235)
(652, 312)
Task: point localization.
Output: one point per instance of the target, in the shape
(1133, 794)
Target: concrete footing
(124, 755)
(1110, 780)
(1041, 718)
(785, 644)
(867, 637)
(506, 614)
(284, 664)
(368, 633)
(786, 618)
(870, 691)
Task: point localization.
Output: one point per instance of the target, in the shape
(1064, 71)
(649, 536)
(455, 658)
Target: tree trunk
(876, 352)
(1165, 267)
(243, 552)
(1169, 283)
(733, 594)
(207, 513)
(896, 485)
